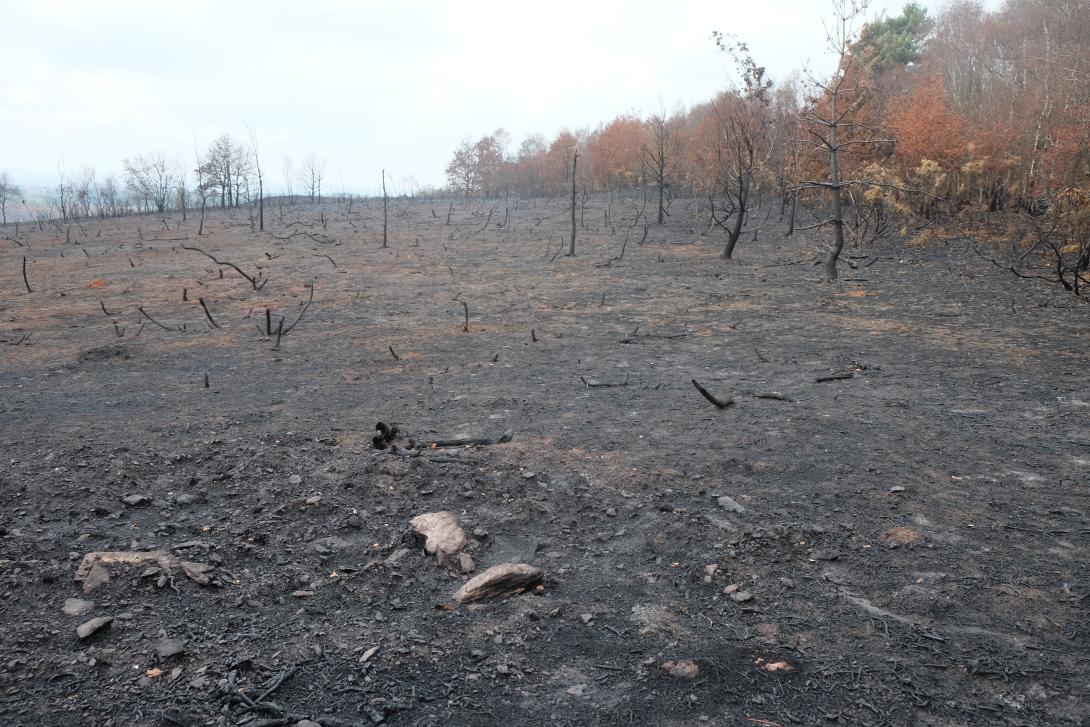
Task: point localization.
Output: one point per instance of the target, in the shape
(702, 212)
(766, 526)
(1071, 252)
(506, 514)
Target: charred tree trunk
(571, 244)
(384, 208)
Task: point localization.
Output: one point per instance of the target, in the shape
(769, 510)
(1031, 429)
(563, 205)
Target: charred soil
(889, 525)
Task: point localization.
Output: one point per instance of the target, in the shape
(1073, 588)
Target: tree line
(924, 119)
(227, 174)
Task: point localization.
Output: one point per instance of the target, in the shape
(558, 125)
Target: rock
(443, 536)
(741, 596)
(577, 690)
(185, 499)
(682, 669)
(302, 594)
(89, 628)
(196, 572)
(330, 545)
(92, 569)
(586, 617)
(136, 500)
(295, 480)
(896, 488)
(395, 556)
(465, 563)
(732, 588)
(499, 581)
(96, 577)
(611, 512)
(77, 607)
(306, 723)
(354, 521)
(729, 503)
(166, 648)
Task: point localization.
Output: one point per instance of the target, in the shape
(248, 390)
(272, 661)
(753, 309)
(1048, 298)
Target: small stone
(89, 628)
(465, 563)
(577, 690)
(732, 588)
(355, 521)
(330, 545)
(827, 554)
(395, 556)
(302, 594)
(503, 669)
(77, 607)
(741, 596)
(136, 500)
(611, 512)
(711, 569)
(314, 499)
(306, 723)
(166, 648)
(295, 480)
(498, 581)
(586, 617)
(682, 669)
(95, 577)
(729, 503)
(185, 499)
(896, 488)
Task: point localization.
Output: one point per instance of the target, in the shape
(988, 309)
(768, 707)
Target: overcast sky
(366, 85)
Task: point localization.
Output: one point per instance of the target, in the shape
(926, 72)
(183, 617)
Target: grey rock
(89, 628)
(330, 545)
(729, 503)
(443, 536)
(498, 581)
(166, 648)
(77, 606)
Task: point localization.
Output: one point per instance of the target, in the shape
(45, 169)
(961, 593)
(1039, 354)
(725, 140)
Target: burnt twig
(146, 315)
(208, 313)
(708, 395)
(293, 325)
(252, 280)
(834, 377)
(470, 441)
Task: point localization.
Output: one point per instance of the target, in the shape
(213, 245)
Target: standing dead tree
(385, 201)
(574, 162)
(8, 192)
(745, 139)
(831, 127)
(659, 155)
(260, 182)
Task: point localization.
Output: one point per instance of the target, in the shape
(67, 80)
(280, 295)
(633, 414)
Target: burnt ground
(913, 538)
